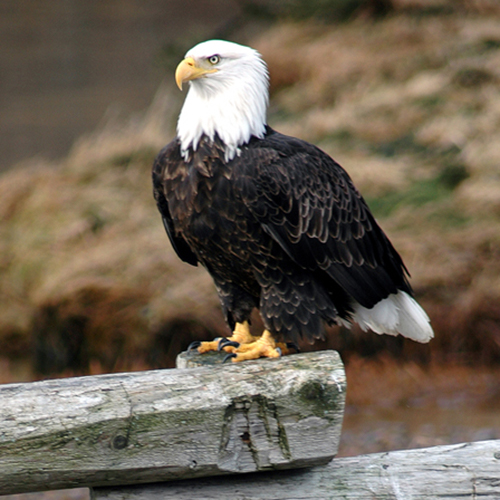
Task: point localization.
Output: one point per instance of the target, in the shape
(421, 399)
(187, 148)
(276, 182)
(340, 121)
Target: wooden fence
(197, 433)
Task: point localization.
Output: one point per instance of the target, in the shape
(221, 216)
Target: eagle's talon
(193, 345)
(227, 343)
(222, 343)
(246, 346)
(227, 357)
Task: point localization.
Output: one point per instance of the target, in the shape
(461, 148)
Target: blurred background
(405, 94)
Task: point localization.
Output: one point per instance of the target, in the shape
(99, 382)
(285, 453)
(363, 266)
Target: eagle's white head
(228, 95)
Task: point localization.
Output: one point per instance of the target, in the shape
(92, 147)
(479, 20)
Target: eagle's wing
(309, 205)
(170, 154)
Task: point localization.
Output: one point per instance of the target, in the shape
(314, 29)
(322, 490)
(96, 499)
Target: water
(393, 406)
(65, 63)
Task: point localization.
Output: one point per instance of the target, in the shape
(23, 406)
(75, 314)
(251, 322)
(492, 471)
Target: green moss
(421, 192)
(430, 102)
(489, 44)
(405, 144)
(96, 218)
(448, 217)
(418, 194)
(473, 78)
(320, 398)
(342, 137)
(452, 174)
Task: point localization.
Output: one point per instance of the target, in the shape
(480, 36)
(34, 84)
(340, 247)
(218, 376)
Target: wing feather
(167, 155)
(311, 208)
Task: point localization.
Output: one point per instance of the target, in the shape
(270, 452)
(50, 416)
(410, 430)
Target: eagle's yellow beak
(188, 70)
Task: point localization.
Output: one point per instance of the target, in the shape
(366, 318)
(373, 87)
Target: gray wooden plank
(468, 470)
(169, 424)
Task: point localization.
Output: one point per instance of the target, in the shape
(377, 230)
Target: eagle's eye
(214, 59)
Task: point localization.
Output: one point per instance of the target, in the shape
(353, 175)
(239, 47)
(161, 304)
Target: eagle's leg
(241, 335)
(264, 347)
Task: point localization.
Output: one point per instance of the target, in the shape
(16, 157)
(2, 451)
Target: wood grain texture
(469, 470)
(168, 424)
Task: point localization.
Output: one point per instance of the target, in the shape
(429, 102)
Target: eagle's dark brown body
(281, 228)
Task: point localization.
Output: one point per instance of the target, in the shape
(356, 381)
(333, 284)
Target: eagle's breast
(204, 206)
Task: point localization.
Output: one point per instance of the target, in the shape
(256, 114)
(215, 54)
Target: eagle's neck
(234, 109)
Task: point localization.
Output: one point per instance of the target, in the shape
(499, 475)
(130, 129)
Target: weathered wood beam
(169, 424)
(469, 470)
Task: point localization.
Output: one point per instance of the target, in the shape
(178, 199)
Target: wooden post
(168, 424)
(467, 470)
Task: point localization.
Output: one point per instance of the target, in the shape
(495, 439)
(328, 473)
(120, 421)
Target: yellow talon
(250, 346)
(241, 335)
(208, 346)
(263, 347)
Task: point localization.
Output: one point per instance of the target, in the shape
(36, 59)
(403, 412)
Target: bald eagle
(277, 223)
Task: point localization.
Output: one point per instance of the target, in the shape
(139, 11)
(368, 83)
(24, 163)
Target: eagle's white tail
(398, 313)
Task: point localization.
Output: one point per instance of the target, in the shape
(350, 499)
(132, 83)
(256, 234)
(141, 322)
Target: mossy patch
(320, 398)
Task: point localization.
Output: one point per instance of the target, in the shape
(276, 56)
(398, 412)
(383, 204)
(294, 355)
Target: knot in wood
(120, 442)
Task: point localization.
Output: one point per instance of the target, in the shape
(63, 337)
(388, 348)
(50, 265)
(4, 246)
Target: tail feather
(397, 314)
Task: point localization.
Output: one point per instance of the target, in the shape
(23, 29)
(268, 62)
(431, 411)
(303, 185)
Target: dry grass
(87, 271)
(410, 105)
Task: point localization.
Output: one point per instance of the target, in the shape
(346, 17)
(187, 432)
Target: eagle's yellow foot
(207, 346)
(263, 347)
(241, 336)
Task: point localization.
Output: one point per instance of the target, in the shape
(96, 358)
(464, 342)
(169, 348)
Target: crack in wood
(252, 437)
(122, 439)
